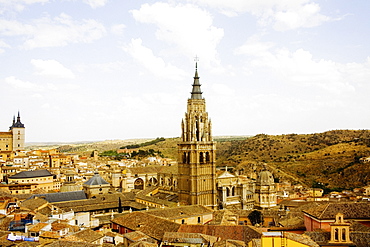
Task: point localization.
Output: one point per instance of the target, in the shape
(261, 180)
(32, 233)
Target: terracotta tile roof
(303, 239)
(87, 236)
(145, 169)
(190, 238)
(34, 203)
(150, 225)
(224, 217)
(143, 244)
(63, 243)
(136, 236)
(55, 226)
(181, 212)
(37, 227)
(47, 234)
(358, 227)
(242, 233)
(351, 210)
(106, 201)
(41, 217)
(359, 239)
(146, 195)
(230, 243)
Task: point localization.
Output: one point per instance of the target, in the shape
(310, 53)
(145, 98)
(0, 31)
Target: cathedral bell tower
(197, 153)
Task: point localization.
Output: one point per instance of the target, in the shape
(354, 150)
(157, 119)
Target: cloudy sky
(81, 70)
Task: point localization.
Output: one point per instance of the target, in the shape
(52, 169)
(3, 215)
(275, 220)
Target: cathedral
(197, 153)
(13, 140)
(195, 179)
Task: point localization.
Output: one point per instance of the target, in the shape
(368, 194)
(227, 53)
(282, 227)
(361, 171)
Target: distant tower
(265, 193)
(18, 132)
(197, 153)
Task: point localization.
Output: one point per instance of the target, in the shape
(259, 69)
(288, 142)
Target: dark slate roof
(196, 92)
(96, 180)
(32, 174)
(62, 196)
(17, 124)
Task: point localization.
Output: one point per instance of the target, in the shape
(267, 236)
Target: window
(198, 220)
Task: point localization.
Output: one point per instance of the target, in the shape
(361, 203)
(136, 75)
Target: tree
(255, 217)
(119, 205)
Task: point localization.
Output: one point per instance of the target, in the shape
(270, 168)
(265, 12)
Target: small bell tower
(339, 231)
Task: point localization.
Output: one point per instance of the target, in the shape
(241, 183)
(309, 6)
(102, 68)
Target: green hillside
(331, 158)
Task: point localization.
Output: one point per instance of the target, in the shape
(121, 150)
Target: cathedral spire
(196, 92)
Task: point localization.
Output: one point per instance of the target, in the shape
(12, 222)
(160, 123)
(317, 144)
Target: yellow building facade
(283, 239)
(29, 181)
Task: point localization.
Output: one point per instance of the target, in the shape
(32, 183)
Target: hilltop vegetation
(331, 159)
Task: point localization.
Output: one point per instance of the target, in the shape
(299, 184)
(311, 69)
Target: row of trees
(140, 154)
(144, 144)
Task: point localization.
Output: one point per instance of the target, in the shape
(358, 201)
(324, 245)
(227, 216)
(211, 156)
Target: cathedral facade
(197, 153)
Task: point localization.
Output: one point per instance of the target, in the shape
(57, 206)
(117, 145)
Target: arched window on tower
(184, 158)
(344, 235)
(207, 157)
(336, 234)
(197, 128)
(201, 158)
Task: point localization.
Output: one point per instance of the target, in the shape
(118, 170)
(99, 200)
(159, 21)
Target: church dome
(96, 180)
(265, 178)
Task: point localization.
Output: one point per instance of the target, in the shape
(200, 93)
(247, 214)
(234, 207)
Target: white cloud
(118, 29)
(95, 3)
(282, 15)
(187, 27)
(305, 16)
(46, 32)
(154, 64)
(17, 5)
(299, 67)
(3, 45)
(22, 85)
(51, 68)
(222, 89)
